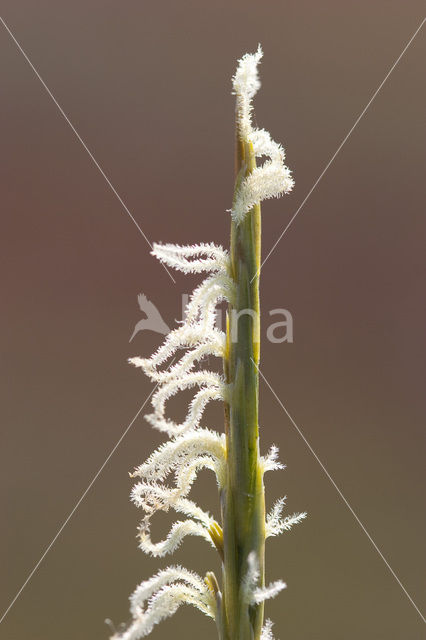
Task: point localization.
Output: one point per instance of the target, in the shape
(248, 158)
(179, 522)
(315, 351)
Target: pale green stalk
(243, 497)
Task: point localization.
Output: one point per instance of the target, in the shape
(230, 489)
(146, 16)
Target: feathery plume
(273, 178)
(165, 593)
(266, 633)
(275, 525)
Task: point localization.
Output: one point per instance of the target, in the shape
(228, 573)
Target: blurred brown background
(147, 85)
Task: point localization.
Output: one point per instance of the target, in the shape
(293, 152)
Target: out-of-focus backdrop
(147, 86)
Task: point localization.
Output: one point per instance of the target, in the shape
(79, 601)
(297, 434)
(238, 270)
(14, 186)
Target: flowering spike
(165, 479)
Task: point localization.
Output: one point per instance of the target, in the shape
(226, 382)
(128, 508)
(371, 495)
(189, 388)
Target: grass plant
(236, 600)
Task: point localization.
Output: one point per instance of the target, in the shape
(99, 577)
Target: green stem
(243, 501)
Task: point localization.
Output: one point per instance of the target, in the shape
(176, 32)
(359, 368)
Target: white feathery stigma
(275, 524)
(261, 594)
(271, 179)
(252, 592)
(161, 596)
(266, 633)
(191, 447)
